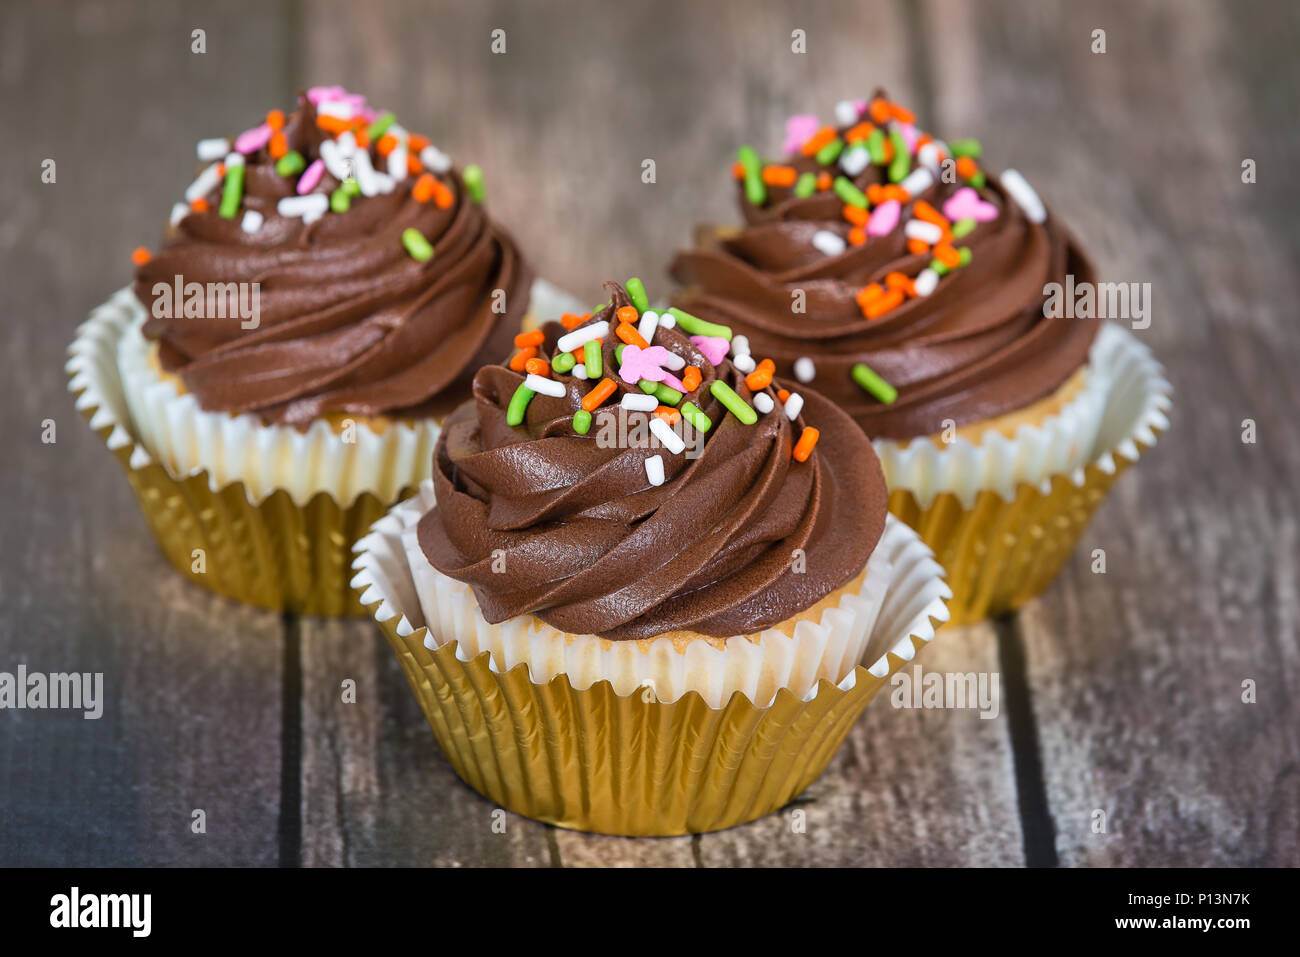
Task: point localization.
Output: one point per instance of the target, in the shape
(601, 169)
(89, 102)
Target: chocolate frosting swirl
(349, 322)
(591, 547)
(977, 347)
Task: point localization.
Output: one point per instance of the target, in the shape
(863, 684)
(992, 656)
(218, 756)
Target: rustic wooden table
(1122, 692)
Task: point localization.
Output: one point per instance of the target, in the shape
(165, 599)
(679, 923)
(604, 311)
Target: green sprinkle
(519, 405)
(734, 403)
(340, 200)
(597, 310)
(646, 386)
(829, 153)
(938, 267)
(666, 394)
(380, 126)
(872, 383)
(692, 414)
(806, 185)
(582, 421)
(966, 147)
(591, 359)
(962, 227)
(636, 292)
(416, 244)
(965, 254)
(564, 363)
(901, 164)
(978, 179)
(695, 326)
(351, 186)
(618, 353)
(290, 164)
(233, 191)
(473, 178)
(755, 191)
(846, 191)
(876, 146)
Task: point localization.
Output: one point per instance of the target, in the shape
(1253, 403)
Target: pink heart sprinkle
(250, 141)
(319, 94)
(909, 136)
(311, 177)
(714, 348)
(673, 382)
(884, 218)
(638, 363)
(798, 131)
(966, 204)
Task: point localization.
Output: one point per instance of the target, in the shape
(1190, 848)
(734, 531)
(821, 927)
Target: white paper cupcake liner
(900, 596)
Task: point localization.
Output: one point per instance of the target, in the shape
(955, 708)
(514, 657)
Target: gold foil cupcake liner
(591, 759)
(1002, 545)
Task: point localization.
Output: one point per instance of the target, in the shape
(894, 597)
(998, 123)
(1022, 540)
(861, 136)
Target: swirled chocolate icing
(590, 546)
(349, 321)
(977, 346)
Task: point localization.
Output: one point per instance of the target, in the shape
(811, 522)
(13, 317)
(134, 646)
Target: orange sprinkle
(923, 139)
(275, 119)
(422, 191)
(363, 138)
(603, 390)
(628, 333)
(200, 205)
(668, 414)
(947, 255)
(413, 165)
(221, 169)
(333, 124)
(520, 359)
(879, 110)
(783, 395)
(901, 113)
(868, 293)
(875, 194)
(571, 320)
(894, 191)
(780, 175)
(883, 303)
(918, 247)
(140, 255)
(761, 377)
(857, 236)
(807, 442)
(538, 366)
(417, 142)
(534, 337)
(824, 181)
(738, 170)
(692, 378)
(966, 168)
(894, 280)
(859, 132)
(386, 144)
(279, 145)
(889, 151)
(627, 314)
(855, 214)
(442, 197)
(923, 210)
(817, 141)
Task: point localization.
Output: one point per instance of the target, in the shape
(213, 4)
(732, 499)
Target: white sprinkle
(347, 142)
(385, 183)
(367, 178)
(665, 434)
(804, 370)
(740, 346)
(331, 154)
(674, 362)
(763, 402)
(544, 386)
(251, 222)
(213, 149)
(917, 181)
(667, 320)
(397, 162)
(793, 406)
(313, 204)
(203, 184)
(579, 371)
(649, 322)
(340, 108)
(855, 159)
(920, 229)
(311, 216)
(744, 363)
(179, 212)
(1019, 189)
(435, 159)
(827, 242)
(234, 159)
(581, 336)
(925, 282)
(928, 155)
(846, 113)
(654, 469)
(639, 402)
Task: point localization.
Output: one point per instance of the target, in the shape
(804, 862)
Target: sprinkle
(806, 185)
(275, 119)
(628, 333)
(564, 362)
(366, 177)
(668, 393)
(807, 441)
(519, 405)
(602, 391)
(778, 175)
(734, 403)
(313, 205)
(745, 363)
(793, 405)
(918, 247)
(798, 129)
(925, 282)
(966, 147)
(179, 212)
(664, 433)
(279, 145)
(337, 109)
(654, 469)
(965, 254)
(591, 358)
(740, 346)
(534, 337)
(884, 218)
(761, 377)
(917, 181)
(923, 210)
(930, 155)
(435, 159)
(571, 320)
(442, 197)
(520, 359)
(818, 140)
(859, 133)
(901, 164)
(422, 191)
(755, 191)
(827, 242)
(855, 214)
(962, 228)
(783, 394)
(855, 160)
(397, 162)
(692, 378)
(199, 205)
(572, 340)
(920, 229)
(416, 245)
(141, 256)
(540, 367)
(947, 255)
(763, 402)
(846, 191)
(666, 321)
(579, 370)
(290, 164)
(876, 147)
(543, 385)
(636, 292)
(804, 370)
(695, 326)
(1026, 198)
(381, 124)
(582, 421)
(937, 267)
(638, 403)
(692, 414)
(233, 191)
(966, 204)
(823, 181)
(311, 177)
(332, 154)
(250, 141)
(212, 149)
(667, 414)
(829, 153)
(846, 113)
(872, 383)
(649, 323)
(473, 179)
(204, 183)
(883, 303)
(713, 347)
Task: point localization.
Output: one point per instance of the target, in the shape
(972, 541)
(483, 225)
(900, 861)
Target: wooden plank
(1137, 674)
(191, 682)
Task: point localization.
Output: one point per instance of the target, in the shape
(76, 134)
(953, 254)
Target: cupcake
(642, 593)
(918, 291)
(281, 364)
